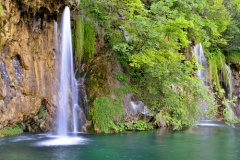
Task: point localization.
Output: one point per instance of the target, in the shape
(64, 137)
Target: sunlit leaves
(134, 8)
(174, 31)
(237, 3)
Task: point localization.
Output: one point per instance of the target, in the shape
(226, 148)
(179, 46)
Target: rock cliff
(27, 63)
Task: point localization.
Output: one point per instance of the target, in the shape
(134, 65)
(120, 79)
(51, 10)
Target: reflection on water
(218, 142)
(21, 138)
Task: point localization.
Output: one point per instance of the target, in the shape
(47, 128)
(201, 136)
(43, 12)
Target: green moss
(78, 40)
(106, 112)
(42, 113)
(233, 57)
(83, 40)
(89, 41)
(10, 131)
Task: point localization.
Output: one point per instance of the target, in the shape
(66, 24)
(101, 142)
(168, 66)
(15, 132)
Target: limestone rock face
(27, 63)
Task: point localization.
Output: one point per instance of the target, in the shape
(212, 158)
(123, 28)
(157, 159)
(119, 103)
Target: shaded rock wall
(27, 63)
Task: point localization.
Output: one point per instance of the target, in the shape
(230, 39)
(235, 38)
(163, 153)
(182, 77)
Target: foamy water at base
(62, 141)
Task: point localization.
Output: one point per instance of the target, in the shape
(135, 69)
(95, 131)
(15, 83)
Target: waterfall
(230, 83)
(201, 61)
(229, 88)
(202, 71)
(68, 93)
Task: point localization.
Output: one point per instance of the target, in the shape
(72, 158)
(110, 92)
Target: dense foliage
(153, 40)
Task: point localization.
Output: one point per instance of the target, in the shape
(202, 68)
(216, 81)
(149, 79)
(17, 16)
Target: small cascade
(139, 107)
(229, 88)
(83, 101)
(230, 83)
(68, 91)
(202, 70)
(75, 106)
(201, 61)
(136, 107)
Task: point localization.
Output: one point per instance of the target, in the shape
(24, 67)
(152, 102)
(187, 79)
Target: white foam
(210, 123)
(62, 141)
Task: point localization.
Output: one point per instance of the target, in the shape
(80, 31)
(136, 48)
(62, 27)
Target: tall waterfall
(68, 93)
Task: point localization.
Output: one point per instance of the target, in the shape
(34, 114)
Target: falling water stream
(201, 61)
(229, 81)
(202, 71)
(229, 89)
(67, 92)
(67, 88)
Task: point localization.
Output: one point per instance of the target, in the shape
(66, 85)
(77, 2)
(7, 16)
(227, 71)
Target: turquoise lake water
(207, 142)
